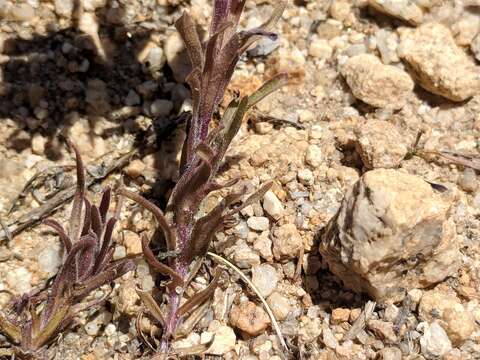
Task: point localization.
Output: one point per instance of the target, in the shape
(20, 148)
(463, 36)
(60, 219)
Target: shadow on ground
(51, 80)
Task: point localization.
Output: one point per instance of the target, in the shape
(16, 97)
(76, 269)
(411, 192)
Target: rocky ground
(386, 234)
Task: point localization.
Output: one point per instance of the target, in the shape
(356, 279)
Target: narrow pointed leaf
(9, 329)
(105, 246)
(96, 221)
(54, 224)
(51, 328)
(266, 89)
(189, 34)
(115, 271)
(162, 221)
(105, 204)
(220, 12)
(257, 196)
(200, 297)
(206, 227)
(276, 15)
(152, 306)
(157, 265)
(87, 218)
(86, 257)
(76, 215)
(26, 338)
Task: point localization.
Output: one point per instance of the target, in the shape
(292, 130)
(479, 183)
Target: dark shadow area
(325, 289)
(434, 100)
(384, 21)
(49, 81)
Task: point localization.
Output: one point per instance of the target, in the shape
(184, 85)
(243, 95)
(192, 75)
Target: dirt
(113, 94)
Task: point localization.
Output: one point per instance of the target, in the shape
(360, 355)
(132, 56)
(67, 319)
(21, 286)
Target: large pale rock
(437, 63)
(391, 234)
(379, 85)
(406, 10)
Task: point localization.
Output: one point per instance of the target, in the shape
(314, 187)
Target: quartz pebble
(306, 176)
(244, 257)
(434, 342)
(224, 339)
(280, 305)
(265, 278)
(383, 329)
(19, 280)
(258, 223)
(272, 205)
(49, 259)
(314, 156)
(390, 353)
(132, 242)
(458, 322)
(320, 49)
(64, 8)
(22, 12)
(468, 180)
(340, 315)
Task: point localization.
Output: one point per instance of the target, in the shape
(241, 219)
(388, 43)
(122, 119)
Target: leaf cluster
(187, 232)
(35, 320)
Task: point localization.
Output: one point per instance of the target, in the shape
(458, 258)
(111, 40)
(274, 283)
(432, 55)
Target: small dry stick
(298, 270)
(256, 291)
(359, 324)
(103, 170)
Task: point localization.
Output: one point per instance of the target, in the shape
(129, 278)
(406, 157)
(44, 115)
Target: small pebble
(287, 242)
(258, 223)
(132, 98)
(434, 342)
(19, 280)
(272, 205)
(249, 318)
(314, 156)
(340, 315)
(22, 12)
(306, 176)
(280, 305)
(468, 180)
(265, 278)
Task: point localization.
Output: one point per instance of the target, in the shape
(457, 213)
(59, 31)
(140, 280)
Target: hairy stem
(180, 265)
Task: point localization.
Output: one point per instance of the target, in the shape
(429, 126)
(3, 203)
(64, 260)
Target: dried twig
(403, 314)
(466, 160)
(108, 164)
(261, 117)
(298, 270)
(223, 261)
(359, 324)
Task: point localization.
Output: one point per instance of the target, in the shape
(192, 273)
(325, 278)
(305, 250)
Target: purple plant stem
(180, 265)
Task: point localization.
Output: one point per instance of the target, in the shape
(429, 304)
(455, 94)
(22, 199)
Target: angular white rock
(393, 232)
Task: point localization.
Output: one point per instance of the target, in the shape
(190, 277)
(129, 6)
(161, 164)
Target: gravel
(364, 78)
